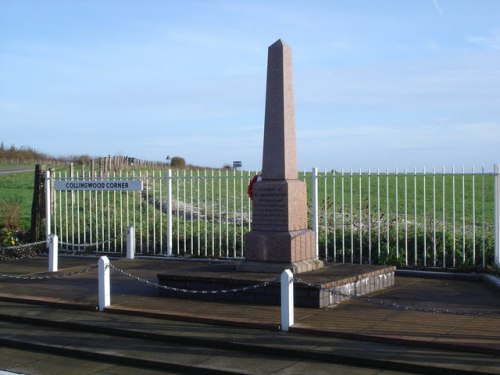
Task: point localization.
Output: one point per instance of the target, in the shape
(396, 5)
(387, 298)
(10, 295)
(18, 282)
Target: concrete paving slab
(34, 363)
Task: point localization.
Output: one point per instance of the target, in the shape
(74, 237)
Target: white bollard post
(53, 253)
(496, 173)
(315, 210)
(287, 313)
(130, 242)
(104, 283)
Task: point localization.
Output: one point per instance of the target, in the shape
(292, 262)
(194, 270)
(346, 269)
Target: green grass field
(17, 188)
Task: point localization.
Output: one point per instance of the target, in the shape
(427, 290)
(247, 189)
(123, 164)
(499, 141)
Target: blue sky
(387, 84)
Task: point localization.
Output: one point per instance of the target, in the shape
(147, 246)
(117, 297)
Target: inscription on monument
(270, 208)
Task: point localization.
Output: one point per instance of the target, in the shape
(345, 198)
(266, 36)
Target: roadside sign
(99, 185)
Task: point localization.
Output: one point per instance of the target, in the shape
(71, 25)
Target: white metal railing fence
(438, 218)
(183, 212)
(441, 218)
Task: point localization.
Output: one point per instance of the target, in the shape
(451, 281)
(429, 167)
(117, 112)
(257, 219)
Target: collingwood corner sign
(102, 185)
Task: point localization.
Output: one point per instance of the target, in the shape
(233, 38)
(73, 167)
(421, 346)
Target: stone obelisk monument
(280, 238)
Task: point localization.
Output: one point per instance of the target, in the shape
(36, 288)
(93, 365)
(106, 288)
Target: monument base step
(276, 267)
(321, 288)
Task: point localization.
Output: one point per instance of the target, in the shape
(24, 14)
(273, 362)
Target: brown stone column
(279, 238)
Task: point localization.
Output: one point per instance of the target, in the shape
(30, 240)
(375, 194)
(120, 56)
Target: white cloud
(489, 41)
(438, 8)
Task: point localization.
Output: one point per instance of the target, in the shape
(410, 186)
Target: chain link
(398, 306)
(17, 247)
(96, 244)
(46, 277)
(192, 291)
(19, 256)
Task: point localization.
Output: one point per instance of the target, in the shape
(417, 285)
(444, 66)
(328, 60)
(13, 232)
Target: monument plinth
(280, 237)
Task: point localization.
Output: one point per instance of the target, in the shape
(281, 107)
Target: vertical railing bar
(84, 208)
(227, 212)
(360, 219)
(387, 221)
(369, 218)
(249, 202)
(169, 208)
(153, 208)
(115, 242)
(198, 209)
(334, 198)
(444, 217)
(425, 218)
(434, 245)
(473, 215)
(108, 213)
(397, 214)
(415, 255)
(496, 215)
(96, 196)
(483, 218)
(326, 214)
(103, 227)
(453, 214)
(343, 218)
(406, 214)
(205, 213)
(127, 203)
(140, 213)
(71, 213)
(160, 212)
(78, 226)
(351, 214)
(220, 214)
(90, 211)
(213, 211)
(178, 210)
(315, 209)
(101, 219)
(234, 213)
(463, 214)
(184, 209)
(60, 214)
(121, 214)
(242, 209)
(72, 177)
(133, 205)
(148, 179)
(378, 214)
(191, 208)
(53, 193)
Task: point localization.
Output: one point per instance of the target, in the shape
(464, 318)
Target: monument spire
(279, 160)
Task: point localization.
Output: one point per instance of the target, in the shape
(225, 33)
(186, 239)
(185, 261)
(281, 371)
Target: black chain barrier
(193, 291)
(47, 277)
(399, 306)
(19, 247)
(94, 244)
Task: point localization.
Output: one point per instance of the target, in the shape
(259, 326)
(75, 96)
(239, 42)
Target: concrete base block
(323, 287)
(280, 247)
